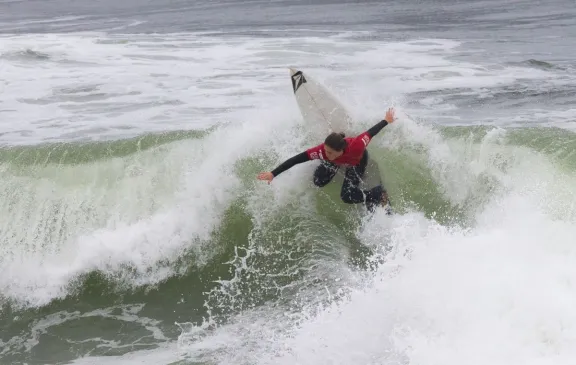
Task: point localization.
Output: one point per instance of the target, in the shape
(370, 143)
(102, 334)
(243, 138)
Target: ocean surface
(133, 230)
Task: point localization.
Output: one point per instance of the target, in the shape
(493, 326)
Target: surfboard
(323, 113)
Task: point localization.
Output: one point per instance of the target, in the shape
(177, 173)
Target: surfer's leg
(378, 196)
(324, 173)
(351, 192)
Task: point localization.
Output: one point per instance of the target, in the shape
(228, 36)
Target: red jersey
(352, 153)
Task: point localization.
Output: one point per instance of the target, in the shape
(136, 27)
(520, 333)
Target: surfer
(340, 151)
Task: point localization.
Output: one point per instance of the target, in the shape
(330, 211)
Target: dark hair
(336, 141)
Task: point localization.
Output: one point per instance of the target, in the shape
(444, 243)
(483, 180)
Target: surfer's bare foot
(384, 198)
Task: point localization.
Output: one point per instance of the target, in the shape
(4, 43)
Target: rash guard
(353, 152)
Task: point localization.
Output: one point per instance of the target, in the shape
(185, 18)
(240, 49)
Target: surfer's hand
(267, 176)
(390, 115)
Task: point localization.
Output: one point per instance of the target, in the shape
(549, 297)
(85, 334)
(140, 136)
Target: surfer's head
(334, 145)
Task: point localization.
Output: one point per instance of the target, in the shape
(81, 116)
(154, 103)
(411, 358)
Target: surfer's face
(331, 153)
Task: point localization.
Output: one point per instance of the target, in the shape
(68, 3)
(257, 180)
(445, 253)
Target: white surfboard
(321, 110)
(323, 114)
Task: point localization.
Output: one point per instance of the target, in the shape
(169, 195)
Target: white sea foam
(499, 292)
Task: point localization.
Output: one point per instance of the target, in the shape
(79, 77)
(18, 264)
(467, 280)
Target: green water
(258, 255)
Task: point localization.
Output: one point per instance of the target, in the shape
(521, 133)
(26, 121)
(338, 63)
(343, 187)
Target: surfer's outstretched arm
(377, 128)
(299, 158)
(383, 123)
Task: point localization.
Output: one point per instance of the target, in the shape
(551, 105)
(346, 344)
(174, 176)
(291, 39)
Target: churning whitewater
(134, 231)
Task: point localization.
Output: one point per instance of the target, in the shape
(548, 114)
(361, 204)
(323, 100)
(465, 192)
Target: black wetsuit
(351, 192)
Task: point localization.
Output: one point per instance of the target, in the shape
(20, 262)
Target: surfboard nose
(292, 71)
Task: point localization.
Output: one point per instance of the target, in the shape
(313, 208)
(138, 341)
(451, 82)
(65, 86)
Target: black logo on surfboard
(297, 80)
